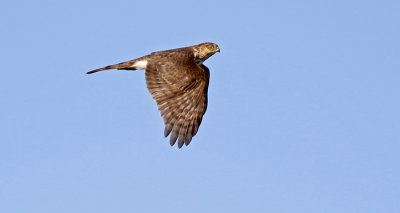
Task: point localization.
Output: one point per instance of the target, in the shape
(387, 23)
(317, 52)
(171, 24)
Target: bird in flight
(177, 80)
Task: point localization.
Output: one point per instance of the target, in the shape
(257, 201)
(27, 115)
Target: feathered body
(178, 82)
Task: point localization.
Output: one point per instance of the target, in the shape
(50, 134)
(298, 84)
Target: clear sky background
(303, 111)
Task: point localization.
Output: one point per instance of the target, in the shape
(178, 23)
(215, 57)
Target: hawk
(177, 80)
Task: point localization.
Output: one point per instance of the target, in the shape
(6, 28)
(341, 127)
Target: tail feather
(123, 65)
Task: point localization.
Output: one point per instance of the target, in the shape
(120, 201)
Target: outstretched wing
(179, 86)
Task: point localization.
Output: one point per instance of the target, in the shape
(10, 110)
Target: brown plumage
(178, 82)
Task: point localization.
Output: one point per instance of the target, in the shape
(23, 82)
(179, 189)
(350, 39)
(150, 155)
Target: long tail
(128, 65)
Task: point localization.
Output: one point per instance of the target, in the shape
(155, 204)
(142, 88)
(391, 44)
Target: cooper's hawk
(178, 82)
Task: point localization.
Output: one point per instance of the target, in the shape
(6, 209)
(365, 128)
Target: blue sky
(303, 111)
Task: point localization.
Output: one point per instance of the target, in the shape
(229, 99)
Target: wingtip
(172, 138)
(167, 130)
(180, 142)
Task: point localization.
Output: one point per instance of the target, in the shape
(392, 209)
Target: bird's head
(204, 51)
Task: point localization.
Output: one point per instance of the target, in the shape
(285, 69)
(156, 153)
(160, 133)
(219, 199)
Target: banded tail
(135, 64)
